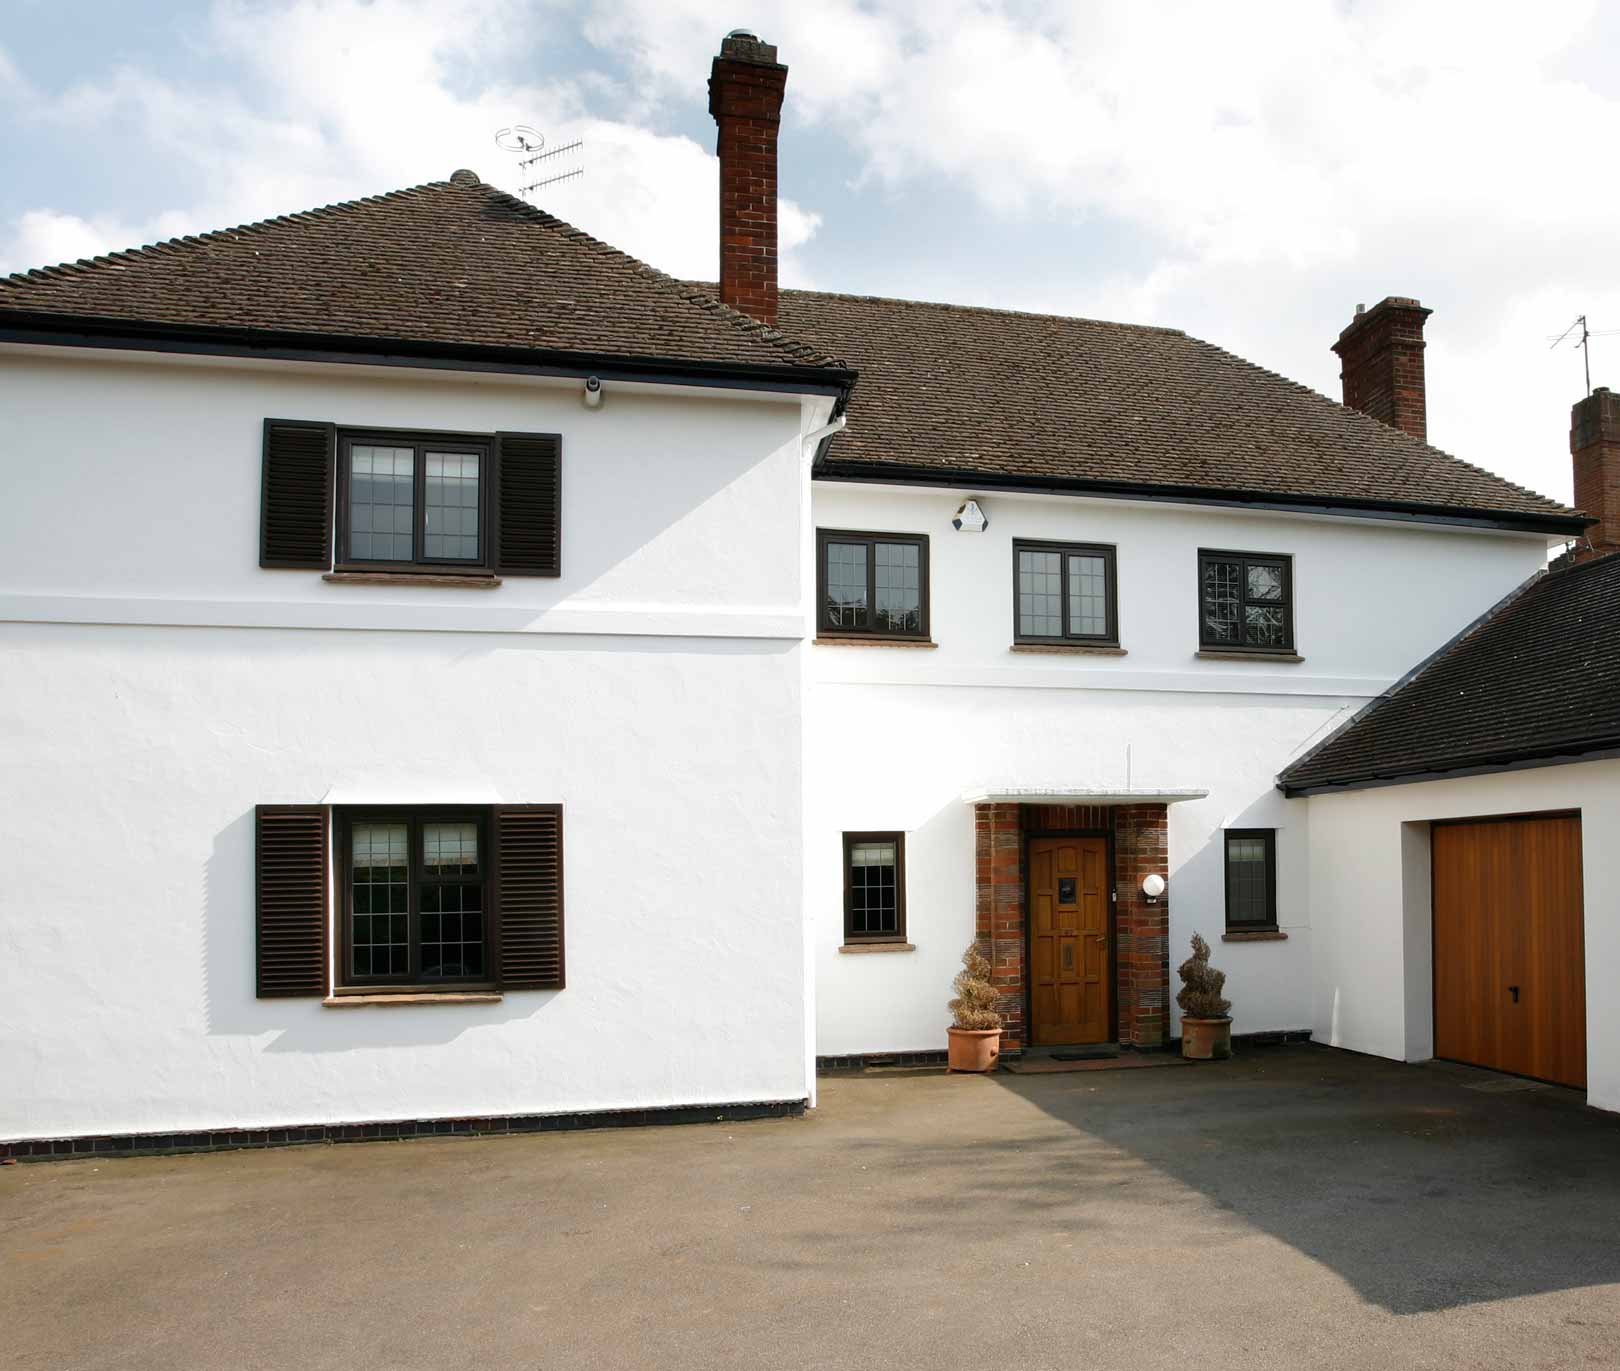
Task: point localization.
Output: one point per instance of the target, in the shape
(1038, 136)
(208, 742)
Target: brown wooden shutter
(529, 896)
(528, 504)
(290, 899)
(295, 508)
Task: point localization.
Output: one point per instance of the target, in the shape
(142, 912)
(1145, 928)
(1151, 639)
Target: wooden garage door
(1509, 957)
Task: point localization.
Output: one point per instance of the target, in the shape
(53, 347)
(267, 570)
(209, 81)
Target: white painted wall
(1370, 904)
(155, 684)
(897, 736)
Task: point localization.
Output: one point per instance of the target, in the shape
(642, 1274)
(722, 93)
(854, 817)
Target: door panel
(1070, 946)
(1509, 946)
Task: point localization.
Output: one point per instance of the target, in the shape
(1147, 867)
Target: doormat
(1128, 1061)
(1507, 1084)
(1085, 1054)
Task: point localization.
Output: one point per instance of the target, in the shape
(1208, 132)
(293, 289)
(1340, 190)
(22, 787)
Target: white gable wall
(159, 684)
(1371, 905)
(898, 735)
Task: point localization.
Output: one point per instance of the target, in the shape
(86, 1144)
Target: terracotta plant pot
(1206, 1039)
(974, 1049)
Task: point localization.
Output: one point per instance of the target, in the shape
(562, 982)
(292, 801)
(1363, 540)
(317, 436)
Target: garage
(1509, 945)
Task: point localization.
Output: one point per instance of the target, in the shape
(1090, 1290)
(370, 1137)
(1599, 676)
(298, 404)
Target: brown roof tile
(1537, 679)
(1000, 394)
(452, 262)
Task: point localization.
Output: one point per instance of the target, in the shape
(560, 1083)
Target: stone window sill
(408, 578)
(1070, 649)
(1211, 656)
(426, 997)
(1255, 935)
(878, 947)
(825, 641)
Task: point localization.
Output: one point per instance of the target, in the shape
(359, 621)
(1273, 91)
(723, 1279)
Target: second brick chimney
(1594, 443)
(1381, 358)
(746, 86)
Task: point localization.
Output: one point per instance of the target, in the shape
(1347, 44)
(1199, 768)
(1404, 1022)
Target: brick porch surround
(1137, 843)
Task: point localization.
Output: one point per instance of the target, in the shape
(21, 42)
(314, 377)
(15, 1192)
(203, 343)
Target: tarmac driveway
(1296, 1207)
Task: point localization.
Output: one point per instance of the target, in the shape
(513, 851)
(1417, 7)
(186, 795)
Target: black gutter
(1552, 754)
(1564, 525)
(59, 330)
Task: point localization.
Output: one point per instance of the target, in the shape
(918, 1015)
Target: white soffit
(1036, 795)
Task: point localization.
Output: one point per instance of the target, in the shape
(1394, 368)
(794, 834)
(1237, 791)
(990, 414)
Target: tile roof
(454, 262)
(995, 394)
(1538, 678)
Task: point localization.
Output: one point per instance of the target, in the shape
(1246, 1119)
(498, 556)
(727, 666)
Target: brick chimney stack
(1594, 443)
(1381, 359)
(745, 97)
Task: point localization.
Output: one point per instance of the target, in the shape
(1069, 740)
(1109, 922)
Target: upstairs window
(1064, 593)
(1251, 879)
(872, 584)
(1246, 602)
(407, 503)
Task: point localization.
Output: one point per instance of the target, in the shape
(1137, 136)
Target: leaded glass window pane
(1088, 595)
(451, 504)
(382, 503)
(1040, 594)
(1263, 626)
(1248, 880)
(1222, 604)
(846, 585)
(873, 889)
(898, 576)
(452, 931)
(1265, 582)
(380, 890)
(450, 849)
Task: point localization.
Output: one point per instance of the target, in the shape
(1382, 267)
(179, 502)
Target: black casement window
(1251, 878)
(1064, 593)
(445, 898)
(872, 584)
(874, 887)
(388, 501)
(1245, 602)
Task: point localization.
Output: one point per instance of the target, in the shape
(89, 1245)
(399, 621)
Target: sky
(1247, 171)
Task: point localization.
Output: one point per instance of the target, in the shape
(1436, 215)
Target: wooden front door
(1071, 951)
(1509, 946)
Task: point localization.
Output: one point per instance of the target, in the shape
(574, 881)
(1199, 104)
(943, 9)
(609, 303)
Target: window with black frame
(1251, 879)
(1245, 602)
(872, 584)
(1064, 593)
(874, 887)
(415, 892)
(408, 502)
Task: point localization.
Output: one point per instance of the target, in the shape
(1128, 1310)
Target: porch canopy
(1083, 795)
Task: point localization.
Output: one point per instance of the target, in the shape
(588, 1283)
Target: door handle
(1513, 990)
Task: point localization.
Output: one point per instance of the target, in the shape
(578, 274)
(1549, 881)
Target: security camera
(593, 392)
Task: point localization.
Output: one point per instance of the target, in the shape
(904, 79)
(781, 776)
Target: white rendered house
(459, 679)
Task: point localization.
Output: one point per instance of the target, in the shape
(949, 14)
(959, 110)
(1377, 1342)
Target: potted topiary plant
(975, 1031)
(1206, 1027)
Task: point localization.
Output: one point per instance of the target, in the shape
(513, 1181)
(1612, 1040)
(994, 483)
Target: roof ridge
(794, 348)
(84, 265)
(982, 309)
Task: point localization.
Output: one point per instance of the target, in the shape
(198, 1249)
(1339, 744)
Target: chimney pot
(1381, 360)
(746, 86)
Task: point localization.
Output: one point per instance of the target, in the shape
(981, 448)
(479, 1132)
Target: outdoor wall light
(1153, 887)
(969, 518)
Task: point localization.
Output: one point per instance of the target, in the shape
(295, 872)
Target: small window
(1251, 878)
(1246, 602)
(414, 898)
(874, 887)
(1064, 592)
(412, 503)
(872, 584)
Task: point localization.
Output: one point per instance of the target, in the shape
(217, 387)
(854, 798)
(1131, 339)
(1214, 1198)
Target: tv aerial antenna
(538, 167)
(1583, 342)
